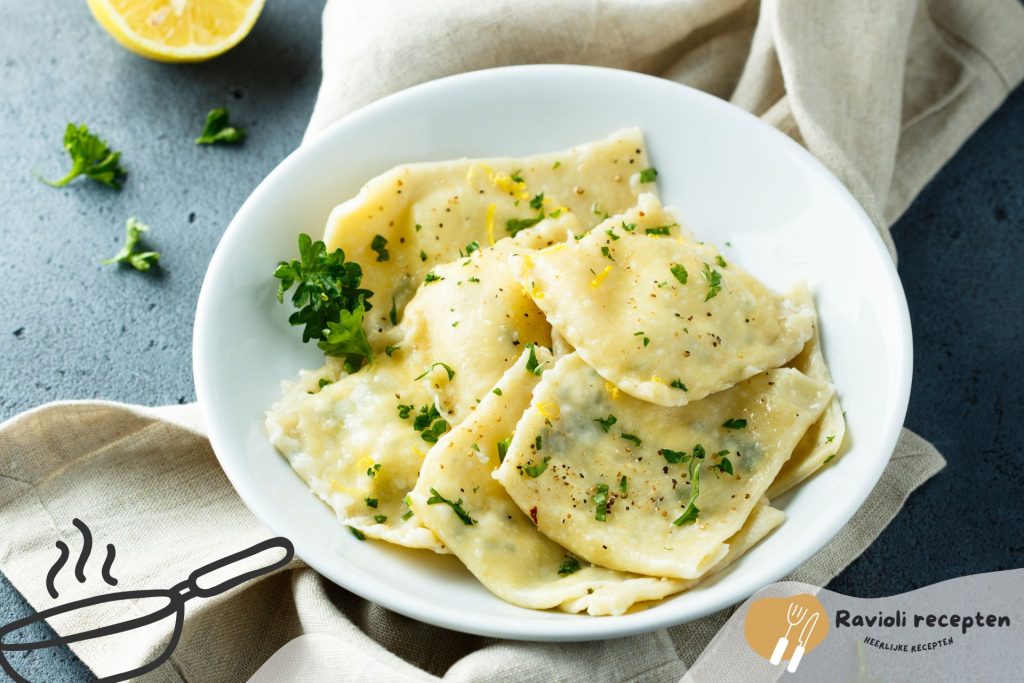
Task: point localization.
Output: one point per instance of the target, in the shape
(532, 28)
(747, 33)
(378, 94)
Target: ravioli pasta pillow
(415, 216)
(612, 478)
(686, 323)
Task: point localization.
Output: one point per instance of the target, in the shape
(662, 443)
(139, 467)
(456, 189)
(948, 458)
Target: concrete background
(72, 328)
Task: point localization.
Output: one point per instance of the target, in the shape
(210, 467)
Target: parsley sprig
(456, 506)
(91, 157)
(139, 260)
(329, 301)
(219, 130)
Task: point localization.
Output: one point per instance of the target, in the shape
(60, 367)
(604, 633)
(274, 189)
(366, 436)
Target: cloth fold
(882, 92)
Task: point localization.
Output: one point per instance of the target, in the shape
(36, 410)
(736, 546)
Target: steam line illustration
(174, 599)
(83, 557)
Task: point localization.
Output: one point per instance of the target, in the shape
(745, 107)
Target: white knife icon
(805, 635)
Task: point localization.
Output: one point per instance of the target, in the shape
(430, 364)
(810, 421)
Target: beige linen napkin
(883, 92)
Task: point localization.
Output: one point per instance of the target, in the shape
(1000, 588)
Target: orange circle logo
(785, 628)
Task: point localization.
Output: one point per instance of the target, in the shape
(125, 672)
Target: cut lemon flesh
(177, 30)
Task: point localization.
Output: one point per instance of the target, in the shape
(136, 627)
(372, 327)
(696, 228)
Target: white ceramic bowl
(733, 178)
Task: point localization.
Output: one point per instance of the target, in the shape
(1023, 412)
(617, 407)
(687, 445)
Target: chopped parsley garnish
(380, 519)
(691, 512)
(139, 260)
(660, 230)
(538, 443)
(648, 175)
(606, 422)
(569, 566)
(624, 485)
(516, 177)
(456, 507)
(698, 452)
(360, 536)
(531, 363)
(678, 384)
(323, 382)
(556, 164)
(379, 244)
(91, 157)
(632, 437)
(536, 469)
(218, 129)
(733, 423)
(390, 350)
(372, 470)
(601, 502)
(496, 391)
(674, 457)
(431, 277)
(537, 202)
(472, 247)
(830, 439)
(423, 255)
(503, 448)
(329, 301)
(829, 459)
(679, 273)
(714, 279)
(429, 423)
(447, 368)
(628, 227)
(514, 225)
(473, 279)
(721, 261)
(371, 502)
(607, 253)
(407, 515)
(611, 233)
(393, 313)
(725, 466)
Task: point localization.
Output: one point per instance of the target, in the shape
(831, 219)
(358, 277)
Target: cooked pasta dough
(686, 322)
(607, 475)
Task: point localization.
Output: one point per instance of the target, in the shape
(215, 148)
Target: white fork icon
(794, 616)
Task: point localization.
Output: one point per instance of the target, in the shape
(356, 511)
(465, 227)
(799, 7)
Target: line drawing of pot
(176, 596)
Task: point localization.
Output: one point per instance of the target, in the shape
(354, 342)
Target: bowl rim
(556, 630)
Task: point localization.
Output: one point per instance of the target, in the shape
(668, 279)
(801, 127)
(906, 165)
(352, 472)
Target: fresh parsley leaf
(456, 507)
(407, 515)
(372, 470)
(514, 225)
(660, 230)
(829, 459)
(628, 227)
(538, 443)
(569, 566)
(632, 437)
(379, 244)
(423, 255)
(473, 279)
(679, 273)
(503, 448)
(139, 260)
(531, 363)
(516, 177)
(390, 350)
(674, 457)
(624, 485)
(725, 466)
(830, 439)
(607, 253)
(714, 279)
(393, 313)
(698, 452)
(606, 422)
(323, 382)
(360, 536)
(556, 165)
(721, 261)
(678, 384)
(447, 368)
(328, 298)
(371, 502)
(496, 391)
(611, 233)
(380, 519)
(536, 469)
(219, 129)
(431, 277)
(91, 157)
(648, 175)
(733, 423)
(472, 247)
(691, 512)
(537, 202)
(601, 502)
(404, 411)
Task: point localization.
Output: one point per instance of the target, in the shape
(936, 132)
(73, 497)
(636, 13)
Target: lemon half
(177, 30)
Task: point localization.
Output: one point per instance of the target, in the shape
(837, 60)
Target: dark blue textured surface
(70, 328)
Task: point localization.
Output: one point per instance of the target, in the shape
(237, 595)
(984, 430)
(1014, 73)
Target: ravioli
(348, 443)
(584, 451)
(501, 546)
(824, 439)
(686, 322)
(415, 216)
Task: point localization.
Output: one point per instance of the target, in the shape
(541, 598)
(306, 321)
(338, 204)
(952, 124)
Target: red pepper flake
(533, 514)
